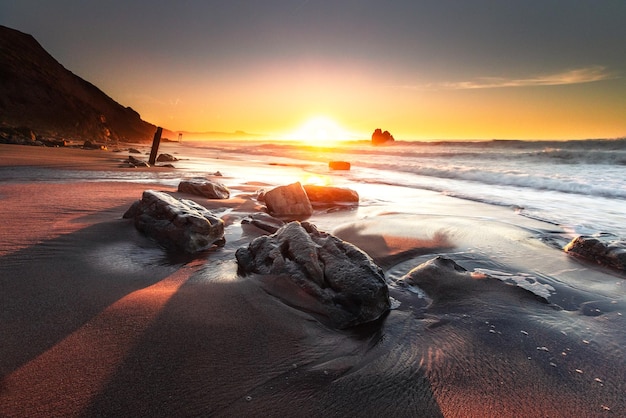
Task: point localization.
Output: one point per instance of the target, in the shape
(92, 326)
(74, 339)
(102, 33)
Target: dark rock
(447, 283)
(319, 273)
(93, 145)
(263, 221)
(606, 250)
(52, 142)
(330, 196)
(136, 162)
(179, 225)
(288, 202)
(26, 133)
(205, 188)
(339, 165)
(18, 136)
(134, 151)
(379, 137)
(166, 158)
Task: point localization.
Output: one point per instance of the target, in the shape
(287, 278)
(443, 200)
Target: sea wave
(514, 178)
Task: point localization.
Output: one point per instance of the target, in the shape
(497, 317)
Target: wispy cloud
(575, 76)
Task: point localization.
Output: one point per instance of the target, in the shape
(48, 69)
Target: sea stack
(380, 138)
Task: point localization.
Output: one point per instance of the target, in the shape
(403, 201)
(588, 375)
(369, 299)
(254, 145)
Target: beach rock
(179, 225)
(339, 165)
(136, 162)
(448, 284)
(326, 195)
(94, 145)
(379, 137)
(288, 202)
(205, 188)
(318, 273)
(263, 221)
(53, 142)
(134, 151)
(166, 158)
(606, 250)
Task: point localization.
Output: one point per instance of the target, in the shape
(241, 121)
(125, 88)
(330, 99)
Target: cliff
(38, 93)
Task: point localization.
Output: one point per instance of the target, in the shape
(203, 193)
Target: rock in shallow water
(180, 225)
(205, 188)
(263, 221)
(341, 282)
(288, 202)
(605, 250)
(329, 196)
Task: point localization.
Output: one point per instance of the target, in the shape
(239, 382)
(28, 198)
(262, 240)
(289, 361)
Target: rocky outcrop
(288, 202)
(379, 137)
(606, 250)
(318, 272)
(25, 136)
(178, 225)
(205, 188)
(331, 196)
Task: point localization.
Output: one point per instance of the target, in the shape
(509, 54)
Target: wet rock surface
(319, 273)
(204, 187)
(263, 221)
(288, 202)
(606, 250)
(179, 225)
(166, 158)
(328, 196)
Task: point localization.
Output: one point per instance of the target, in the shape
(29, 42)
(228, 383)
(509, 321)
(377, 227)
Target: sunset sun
(320, 131)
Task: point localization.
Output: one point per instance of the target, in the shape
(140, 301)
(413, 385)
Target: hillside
(37, 93)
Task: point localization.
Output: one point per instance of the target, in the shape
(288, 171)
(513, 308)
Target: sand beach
(98, 320)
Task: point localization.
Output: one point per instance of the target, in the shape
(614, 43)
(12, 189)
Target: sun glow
(320, 131)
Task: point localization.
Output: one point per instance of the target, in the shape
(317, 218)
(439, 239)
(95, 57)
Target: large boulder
(331, 196)
(203, 187)
(179, 225)
(379, 137)
(288, 202)
(319, 273)
(603, 249)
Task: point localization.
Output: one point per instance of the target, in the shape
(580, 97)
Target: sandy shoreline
(98, 321)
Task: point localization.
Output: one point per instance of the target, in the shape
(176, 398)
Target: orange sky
(422, 70)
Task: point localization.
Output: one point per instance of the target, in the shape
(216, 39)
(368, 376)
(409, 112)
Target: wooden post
(155, 145)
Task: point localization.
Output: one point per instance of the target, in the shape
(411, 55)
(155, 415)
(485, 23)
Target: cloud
(575, 76)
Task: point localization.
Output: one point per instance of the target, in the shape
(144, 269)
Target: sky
(440, 69)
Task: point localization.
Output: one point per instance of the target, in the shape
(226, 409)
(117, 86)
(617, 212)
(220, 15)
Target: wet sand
(97, 320)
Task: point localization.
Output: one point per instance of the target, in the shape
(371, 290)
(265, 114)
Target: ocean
(577, 185)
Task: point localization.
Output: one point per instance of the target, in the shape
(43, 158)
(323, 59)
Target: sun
(319, 131)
